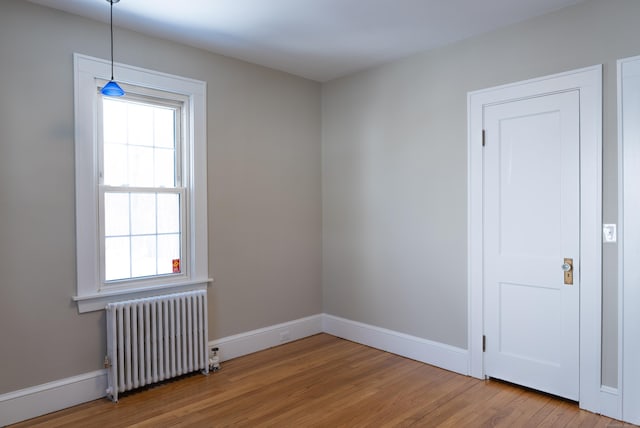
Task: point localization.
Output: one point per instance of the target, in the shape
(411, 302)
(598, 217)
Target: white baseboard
(50, 397)
(610, 402)
(268, 337)
(423, 350)
(437, 354)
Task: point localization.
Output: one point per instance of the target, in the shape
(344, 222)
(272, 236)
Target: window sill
(98, 301)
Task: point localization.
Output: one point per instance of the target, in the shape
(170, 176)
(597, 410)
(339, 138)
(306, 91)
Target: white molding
(267, 337)
(589, 82)
(621, 240)
(609, 402)
(629, 240)
(97, 302)
(423, 350)
(50, 397)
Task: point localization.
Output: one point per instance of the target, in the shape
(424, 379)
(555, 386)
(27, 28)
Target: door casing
(628, 243)
(588, 81)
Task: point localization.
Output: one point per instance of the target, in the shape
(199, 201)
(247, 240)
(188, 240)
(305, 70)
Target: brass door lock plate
(567, 267)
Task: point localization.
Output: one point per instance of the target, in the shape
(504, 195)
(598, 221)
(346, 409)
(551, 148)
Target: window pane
(117, 258)
(168, 213)
(168, 251)
(143, 256)
(164, 128)
(115, 164)
(165, 168)
(140, 124)
(143, 213)
(116, 214)
(140, 166)
(115, 121)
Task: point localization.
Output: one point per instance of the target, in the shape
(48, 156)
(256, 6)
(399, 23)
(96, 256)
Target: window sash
(147, 96)
(183, 232)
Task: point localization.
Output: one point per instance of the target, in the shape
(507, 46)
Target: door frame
(628, 246)
(588, 81)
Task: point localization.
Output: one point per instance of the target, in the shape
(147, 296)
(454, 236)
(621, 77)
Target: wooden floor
(323, 381)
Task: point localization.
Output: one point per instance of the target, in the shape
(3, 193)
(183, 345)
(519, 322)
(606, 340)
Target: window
(140, 184)
(141, 192)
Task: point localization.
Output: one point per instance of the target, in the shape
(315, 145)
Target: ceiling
(317, 39)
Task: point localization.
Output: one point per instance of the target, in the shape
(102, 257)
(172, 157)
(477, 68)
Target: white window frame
(90, 74)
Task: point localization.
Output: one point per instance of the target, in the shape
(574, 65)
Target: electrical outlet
(285, 336)
(214, 359)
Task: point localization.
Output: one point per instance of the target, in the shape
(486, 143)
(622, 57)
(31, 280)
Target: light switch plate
(609, 233)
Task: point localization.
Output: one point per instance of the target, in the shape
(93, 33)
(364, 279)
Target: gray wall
(263, 184)
(394, 169)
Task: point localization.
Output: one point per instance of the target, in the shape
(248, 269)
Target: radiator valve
(214, 360)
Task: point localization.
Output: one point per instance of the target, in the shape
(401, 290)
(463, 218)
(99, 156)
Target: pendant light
(112, 89)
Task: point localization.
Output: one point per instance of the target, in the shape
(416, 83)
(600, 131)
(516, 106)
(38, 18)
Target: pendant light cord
(112, 89)
(111, 28)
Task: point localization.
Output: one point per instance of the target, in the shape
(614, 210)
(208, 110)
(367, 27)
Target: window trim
(89, 73)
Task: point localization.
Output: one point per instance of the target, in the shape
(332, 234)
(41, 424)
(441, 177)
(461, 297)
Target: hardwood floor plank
(324, 381)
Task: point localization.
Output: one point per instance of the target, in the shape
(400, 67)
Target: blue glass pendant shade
(112, 89)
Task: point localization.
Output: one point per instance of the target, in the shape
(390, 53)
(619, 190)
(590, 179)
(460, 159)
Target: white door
(531, 225)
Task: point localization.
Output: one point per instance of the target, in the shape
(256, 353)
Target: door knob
(566, 267)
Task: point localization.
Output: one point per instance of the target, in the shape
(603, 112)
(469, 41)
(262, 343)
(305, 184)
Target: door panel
(531, 223)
